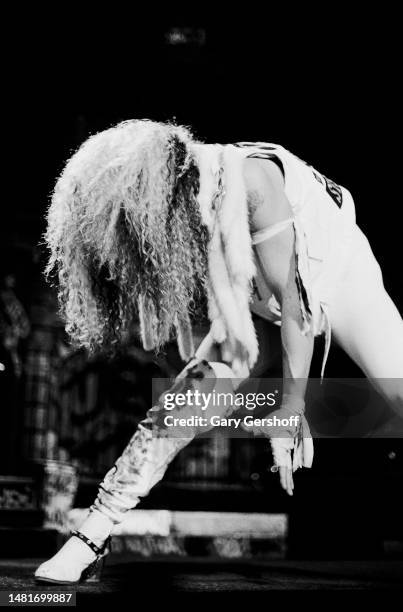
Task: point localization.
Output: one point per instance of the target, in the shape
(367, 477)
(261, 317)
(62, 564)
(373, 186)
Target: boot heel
(95, 575)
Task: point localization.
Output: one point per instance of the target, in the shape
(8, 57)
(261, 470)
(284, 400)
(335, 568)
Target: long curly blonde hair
(124, 226)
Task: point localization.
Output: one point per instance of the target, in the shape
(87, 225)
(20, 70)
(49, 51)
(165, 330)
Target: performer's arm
(270, 205)
(277, 259)
(279, 266)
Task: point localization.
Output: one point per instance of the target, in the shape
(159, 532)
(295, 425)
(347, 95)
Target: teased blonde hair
(124, 229)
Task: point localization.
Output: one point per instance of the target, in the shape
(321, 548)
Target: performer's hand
(281, 449)
(286, 479)
(282, 441)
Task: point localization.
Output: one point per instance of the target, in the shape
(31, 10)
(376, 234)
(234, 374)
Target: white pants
(366, 323)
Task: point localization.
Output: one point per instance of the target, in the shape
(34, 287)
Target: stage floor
(159, 577)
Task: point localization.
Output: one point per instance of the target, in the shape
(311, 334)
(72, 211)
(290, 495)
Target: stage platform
(158, 578)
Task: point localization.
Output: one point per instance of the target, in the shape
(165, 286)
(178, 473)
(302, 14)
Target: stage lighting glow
(186, 36)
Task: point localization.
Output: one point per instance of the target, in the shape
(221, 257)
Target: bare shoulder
(263, 173)
(267, 200)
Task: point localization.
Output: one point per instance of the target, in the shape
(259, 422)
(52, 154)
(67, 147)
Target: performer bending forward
(146, 223)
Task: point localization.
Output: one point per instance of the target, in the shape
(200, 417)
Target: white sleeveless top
(323, 219)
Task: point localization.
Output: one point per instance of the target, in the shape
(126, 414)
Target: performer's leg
(141, 465)
(367, 324)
